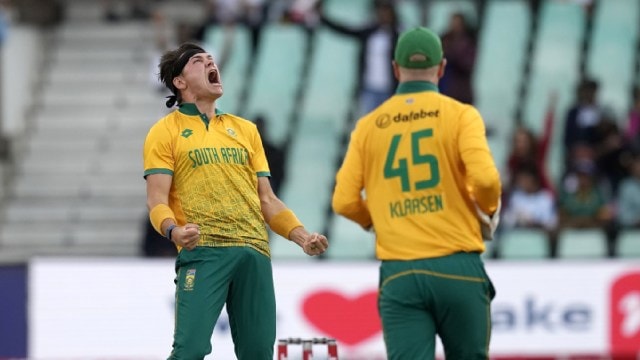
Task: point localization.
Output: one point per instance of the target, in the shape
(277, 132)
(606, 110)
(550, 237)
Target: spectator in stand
(254, 15)
(633, 124)
(582, 204)
(529, 151)
(376, 82)
(299, 11)
(613, 153)
(629, 197)
(530, 205)
(276, 155)
(250, 13)
(459, 43)
(583, 117)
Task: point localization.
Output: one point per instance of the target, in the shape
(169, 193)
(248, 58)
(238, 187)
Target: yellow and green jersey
(215, 164)
(422, 158)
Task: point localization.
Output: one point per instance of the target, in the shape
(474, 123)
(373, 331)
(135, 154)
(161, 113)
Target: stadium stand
(276, 78)
(409, 14)
(440, 12)
(629, 243)
(315, 143)
(75, 180)
(501, 55)
(612, 52)
(555, 68)
(582, 244)
(236, 66)
(523, 244)
(354, 12)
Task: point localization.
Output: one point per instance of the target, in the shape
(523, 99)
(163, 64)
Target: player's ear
(441, 67)
(179, 83)
(396, 72)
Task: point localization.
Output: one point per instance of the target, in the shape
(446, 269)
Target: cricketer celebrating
(208, 191)
(430, 185)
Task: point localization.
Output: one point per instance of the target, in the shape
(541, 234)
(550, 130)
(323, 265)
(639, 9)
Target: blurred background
(556, 82)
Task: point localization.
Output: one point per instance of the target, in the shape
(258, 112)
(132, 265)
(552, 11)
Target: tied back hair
(171, 64)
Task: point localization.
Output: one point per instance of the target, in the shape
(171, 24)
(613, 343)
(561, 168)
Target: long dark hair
(171, 64)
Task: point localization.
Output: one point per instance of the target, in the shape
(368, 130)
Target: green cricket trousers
(449, 296)
(209, 277)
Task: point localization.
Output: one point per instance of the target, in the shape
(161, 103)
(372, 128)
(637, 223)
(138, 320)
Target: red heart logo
(348, 320)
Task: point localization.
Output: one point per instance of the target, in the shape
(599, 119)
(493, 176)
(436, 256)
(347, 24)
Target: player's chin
(216, 90)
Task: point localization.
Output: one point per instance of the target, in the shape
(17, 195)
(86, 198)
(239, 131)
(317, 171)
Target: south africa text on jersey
(421, 205)
(206, 156)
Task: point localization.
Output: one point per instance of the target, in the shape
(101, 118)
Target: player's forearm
(353, 208)
(483, 178)
(270, 206)
(298, 235)
(482, 174)
(486, 189)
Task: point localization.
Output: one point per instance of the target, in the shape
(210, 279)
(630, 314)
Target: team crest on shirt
(186, 133)
(409, 101)
(231, 132)
(190, 280)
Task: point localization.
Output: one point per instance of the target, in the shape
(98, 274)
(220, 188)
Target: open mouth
(213, 77)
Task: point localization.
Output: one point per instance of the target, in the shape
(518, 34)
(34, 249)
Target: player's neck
(430, 75)
(206, 107)
(422, 77)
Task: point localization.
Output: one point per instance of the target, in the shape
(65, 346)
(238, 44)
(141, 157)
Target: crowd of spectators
(599, 187)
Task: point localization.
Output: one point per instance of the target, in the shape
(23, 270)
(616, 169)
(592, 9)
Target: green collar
(416, 86)
(192, 110)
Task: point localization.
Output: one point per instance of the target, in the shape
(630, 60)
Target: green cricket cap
(418, 48)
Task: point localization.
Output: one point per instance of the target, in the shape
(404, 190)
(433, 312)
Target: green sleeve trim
(264, 174)
(157, 171)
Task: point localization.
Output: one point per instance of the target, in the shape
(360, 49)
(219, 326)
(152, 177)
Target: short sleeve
(259, 159)
(158, 151)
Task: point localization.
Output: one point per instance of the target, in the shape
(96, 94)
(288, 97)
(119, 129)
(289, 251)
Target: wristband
(160, 213)
(169, 231)
(283, 222)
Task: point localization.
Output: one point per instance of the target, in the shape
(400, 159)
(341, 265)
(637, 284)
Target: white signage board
(123, 308)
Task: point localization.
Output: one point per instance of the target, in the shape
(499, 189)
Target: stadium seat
(409, 14)
(612, 53)
(307, 188)
(38, 234)
(501, 55)
(349, 241)
(556, 60)
(350, 13)
(499, 146)
(629, 243)
(279, 63)
(282, 249)
(234, 71)
(315, 146)
(523, 244)
(582, 244)
(440, 12)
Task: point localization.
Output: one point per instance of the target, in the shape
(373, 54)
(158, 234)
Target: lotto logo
(625, 315)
